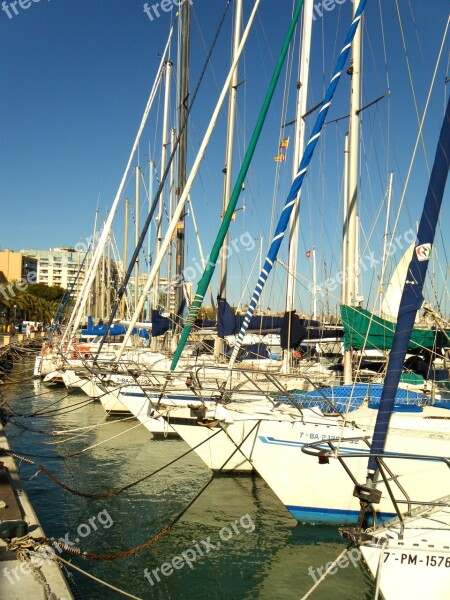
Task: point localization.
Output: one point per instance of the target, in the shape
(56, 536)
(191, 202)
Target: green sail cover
(364, 330)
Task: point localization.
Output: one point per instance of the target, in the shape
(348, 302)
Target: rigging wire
(412, 86)
(419, 133)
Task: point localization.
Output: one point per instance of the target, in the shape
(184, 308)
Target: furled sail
(412, 297)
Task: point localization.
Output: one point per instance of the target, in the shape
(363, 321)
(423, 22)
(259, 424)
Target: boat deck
(411, 560)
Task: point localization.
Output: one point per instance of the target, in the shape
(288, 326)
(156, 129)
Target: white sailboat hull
(412, 562)
(321, 492)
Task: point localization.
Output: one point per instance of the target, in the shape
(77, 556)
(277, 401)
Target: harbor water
(236, 541)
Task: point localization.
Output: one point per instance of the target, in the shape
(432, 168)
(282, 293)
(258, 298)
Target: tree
(50, 293)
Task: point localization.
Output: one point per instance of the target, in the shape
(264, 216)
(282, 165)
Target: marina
(235, 382)
(273, 559)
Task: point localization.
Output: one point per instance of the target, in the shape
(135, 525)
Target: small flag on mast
(308, 254)
(233, 216)
(280, 158)
(284, 143)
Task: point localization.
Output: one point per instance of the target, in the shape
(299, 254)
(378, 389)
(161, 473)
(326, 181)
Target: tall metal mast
(228, 169)
(182, 109)
(219, 347)
(351, 266)
(125, 253)
(138, 208)
(165, 143)
(299, 146)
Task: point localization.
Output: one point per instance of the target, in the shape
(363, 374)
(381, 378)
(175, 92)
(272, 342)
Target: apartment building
(58, 266)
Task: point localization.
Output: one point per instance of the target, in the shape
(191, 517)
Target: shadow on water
(235, 542)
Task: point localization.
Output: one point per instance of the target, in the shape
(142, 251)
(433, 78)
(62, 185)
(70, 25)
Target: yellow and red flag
(280, 158)
(233, 216)
(284, 143)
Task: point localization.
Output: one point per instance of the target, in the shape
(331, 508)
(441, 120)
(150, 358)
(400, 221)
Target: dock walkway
(24, 573)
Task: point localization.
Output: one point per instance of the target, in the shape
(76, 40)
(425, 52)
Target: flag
(280, 158)
(233, 216)
(284, 143)
(308, 254)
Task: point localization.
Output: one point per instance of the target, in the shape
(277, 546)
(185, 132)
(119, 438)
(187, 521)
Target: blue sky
(76, 77)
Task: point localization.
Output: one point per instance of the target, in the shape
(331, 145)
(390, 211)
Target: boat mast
(299, 146)
(102, 287)
(164, 146)
(125, 249)
(94, 296)
(182, 113)
(169, 286)
(136, 268)
(108, 278)
(351, 266)
(229, 151)
(385, 238)
(314, 282)
(345, 225)
(228, 168)
(151, 168)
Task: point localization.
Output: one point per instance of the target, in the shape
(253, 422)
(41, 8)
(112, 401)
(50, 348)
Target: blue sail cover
(102, 328)
(226, 319)
(412, 298)
(160, 324)
(293, 330)
(229, 324)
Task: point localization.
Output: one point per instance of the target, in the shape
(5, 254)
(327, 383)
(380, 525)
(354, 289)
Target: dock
(12, 347)
(27, 570)
(34, 338)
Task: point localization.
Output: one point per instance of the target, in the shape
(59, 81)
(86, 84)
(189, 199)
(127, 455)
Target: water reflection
(270, 560)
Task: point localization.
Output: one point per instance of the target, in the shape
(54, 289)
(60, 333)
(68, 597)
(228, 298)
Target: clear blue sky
(76, 77)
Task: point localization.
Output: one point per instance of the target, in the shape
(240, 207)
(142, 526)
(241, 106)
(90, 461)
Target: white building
(58, 266)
